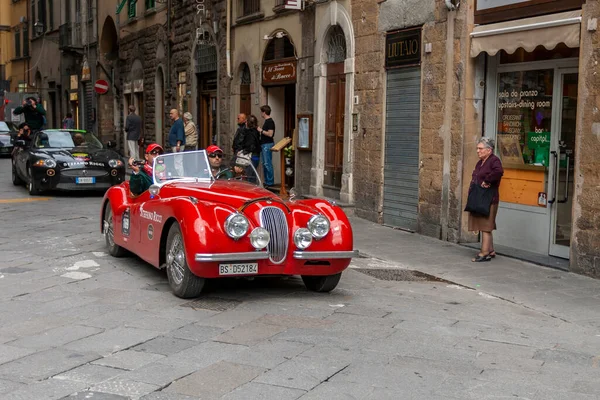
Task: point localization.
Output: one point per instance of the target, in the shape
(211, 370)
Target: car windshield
(192, 165)
(7, 127)
(196, 165)
(67, 139)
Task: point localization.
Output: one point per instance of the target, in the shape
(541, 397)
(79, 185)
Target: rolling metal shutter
(401, 166)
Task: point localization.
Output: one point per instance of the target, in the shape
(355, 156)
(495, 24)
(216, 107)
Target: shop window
(525, 117)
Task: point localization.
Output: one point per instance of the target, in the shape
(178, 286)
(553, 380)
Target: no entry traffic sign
(101, 86)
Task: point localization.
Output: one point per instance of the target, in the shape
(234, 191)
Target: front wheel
(109, 234)
(16, 180)
(321, 283)
(32, 186)
(182, 281)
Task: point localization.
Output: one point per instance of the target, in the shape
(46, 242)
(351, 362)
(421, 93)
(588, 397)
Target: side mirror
(111, 144)
(20, 143)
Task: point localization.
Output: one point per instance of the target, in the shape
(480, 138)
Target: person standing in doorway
(133, 128)
(267, 132)
(177, 139)
(68, 122)
(238, 138)
(191, 135)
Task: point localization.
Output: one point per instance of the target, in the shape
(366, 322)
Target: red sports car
(199, 227)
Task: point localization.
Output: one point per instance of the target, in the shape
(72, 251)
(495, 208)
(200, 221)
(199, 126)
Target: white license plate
(82, 179)
(238, 269)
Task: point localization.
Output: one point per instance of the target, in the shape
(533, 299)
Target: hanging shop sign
(489, 11)
(279, 73)
(127, 87)
(85, 72)
(403, 48)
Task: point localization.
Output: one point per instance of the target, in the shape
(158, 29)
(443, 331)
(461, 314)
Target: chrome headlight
(236, 226)
(45, 163)
(115, 163)
(154, 189)
(302, 238)
(259, 238)
(318, 226)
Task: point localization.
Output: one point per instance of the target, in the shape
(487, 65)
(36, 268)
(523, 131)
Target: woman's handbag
(479, 200)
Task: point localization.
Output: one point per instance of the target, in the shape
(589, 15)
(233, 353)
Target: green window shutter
(131, 8)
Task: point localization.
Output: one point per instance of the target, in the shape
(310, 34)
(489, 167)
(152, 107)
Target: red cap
(213, 149)
(153, 147)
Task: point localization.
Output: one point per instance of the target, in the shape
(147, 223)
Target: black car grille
(273, 220)
(80, 172)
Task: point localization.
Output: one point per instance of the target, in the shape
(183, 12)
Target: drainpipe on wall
(168, 85)
(228, 42)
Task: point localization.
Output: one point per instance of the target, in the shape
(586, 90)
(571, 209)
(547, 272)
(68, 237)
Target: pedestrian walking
(191, 133)
(267, 132)
(133, 128)
(487, 175)
(238, 138)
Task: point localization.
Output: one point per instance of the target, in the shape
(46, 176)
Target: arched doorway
(133, 94)
(159, 105)
(108, 103)
(336, 94)
(331, 171)
(279, 80)
(206, 91)
(245, 95)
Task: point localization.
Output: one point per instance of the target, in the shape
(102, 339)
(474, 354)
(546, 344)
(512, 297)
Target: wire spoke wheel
(183, 282)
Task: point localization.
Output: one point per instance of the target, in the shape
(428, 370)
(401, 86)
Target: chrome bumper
(322, 255)
(246, 256)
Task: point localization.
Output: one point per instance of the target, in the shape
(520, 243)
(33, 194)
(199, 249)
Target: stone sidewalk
(570, 297)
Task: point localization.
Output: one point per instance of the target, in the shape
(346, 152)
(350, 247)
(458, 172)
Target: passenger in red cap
(142, 177)
(215, 158)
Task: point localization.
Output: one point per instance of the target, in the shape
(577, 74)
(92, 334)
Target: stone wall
(305, 95)
(369, 86)
(442, 124)
(585, 245)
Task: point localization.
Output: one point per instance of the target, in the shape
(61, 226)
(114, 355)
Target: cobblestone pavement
(79, 324)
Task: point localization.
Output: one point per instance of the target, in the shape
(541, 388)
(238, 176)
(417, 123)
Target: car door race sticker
(125, 223)
(150, 232)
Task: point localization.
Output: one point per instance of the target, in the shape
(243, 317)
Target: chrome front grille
(273, 220)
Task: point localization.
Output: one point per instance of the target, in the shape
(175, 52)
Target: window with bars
(17, 44)
(250, 7)
(25, 41)
(150, 4)
(279, 48)
(131, 8)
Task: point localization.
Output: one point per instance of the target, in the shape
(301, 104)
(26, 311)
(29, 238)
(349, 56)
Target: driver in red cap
(215, 158)
(142, 177)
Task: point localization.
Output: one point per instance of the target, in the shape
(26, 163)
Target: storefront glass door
(562, 166)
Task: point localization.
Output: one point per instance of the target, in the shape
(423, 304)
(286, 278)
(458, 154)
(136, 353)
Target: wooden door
(208, 120)
(334, 136)
(245, 99)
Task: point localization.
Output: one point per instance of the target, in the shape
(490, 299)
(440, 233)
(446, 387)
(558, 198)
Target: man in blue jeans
(267, 132)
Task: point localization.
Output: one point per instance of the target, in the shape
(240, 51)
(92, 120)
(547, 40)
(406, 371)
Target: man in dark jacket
(238, 139)
(34, 113)
(133, 127)
(142, 177)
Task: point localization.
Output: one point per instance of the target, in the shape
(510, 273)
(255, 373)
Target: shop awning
(528, 33)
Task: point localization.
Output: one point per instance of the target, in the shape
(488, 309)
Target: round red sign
(101, 86)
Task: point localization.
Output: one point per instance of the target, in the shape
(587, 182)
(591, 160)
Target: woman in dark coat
(488, 173)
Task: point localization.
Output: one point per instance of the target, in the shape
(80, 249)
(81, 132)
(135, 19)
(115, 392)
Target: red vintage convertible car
(199, 227)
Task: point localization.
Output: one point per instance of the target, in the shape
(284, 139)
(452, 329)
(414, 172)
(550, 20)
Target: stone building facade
(467, 61)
